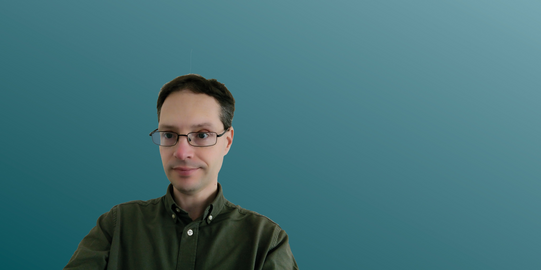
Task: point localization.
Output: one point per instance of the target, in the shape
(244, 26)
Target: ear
(229, 139)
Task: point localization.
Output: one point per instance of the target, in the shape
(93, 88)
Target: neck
(195, 203)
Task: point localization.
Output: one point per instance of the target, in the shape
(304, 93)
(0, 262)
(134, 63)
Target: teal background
(378, 134)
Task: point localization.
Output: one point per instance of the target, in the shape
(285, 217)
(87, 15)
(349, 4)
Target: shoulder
(235, 212)
(140, 203)
(256, 225)
(139, 208)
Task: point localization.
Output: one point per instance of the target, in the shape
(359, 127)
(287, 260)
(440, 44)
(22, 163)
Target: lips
(185, 171)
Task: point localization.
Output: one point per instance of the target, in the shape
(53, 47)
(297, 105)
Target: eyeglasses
(197, 139)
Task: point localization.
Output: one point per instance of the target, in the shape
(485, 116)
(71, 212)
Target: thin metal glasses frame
(187, 138)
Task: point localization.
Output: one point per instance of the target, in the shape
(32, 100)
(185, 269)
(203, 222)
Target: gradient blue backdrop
(378, 134)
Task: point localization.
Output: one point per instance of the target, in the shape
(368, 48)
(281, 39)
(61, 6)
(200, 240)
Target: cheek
(211, 156)
(165, 154)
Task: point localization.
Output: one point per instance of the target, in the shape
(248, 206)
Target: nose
(183, 149)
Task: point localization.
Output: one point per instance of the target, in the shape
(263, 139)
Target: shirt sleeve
(93, 251)
(280, 256)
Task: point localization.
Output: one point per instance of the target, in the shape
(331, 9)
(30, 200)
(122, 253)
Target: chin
(186, 187)
(187, 191)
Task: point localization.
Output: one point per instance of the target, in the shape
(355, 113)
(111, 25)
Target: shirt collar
(211, 212)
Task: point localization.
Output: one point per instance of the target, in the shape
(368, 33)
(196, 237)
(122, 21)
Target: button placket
(188, 248)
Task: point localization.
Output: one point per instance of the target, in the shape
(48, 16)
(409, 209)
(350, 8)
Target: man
(193, 226)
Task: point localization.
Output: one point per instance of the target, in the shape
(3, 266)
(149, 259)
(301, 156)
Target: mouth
(185, 171)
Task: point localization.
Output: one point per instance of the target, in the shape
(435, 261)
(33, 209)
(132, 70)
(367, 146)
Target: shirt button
(173, 215)
(190, 232)
(210, 217)
(178, 210)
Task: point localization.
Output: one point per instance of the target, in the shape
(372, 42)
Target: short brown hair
(199, 85)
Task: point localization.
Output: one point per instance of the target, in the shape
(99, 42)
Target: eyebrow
(202, 125)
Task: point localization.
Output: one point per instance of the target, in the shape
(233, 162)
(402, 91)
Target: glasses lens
(164, 138)
(202, 138)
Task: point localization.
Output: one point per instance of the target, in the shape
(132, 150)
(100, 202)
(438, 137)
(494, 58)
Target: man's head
(187, 104)
(199, 85)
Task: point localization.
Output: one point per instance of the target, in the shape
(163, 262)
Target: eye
(168, 135)
(202, 135)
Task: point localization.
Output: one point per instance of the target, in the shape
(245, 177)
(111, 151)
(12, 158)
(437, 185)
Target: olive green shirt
(158, 234)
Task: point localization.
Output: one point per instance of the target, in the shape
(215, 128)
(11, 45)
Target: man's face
(192, 169)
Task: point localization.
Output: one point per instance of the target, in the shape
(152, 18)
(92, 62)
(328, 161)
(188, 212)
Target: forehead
(188, 110)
